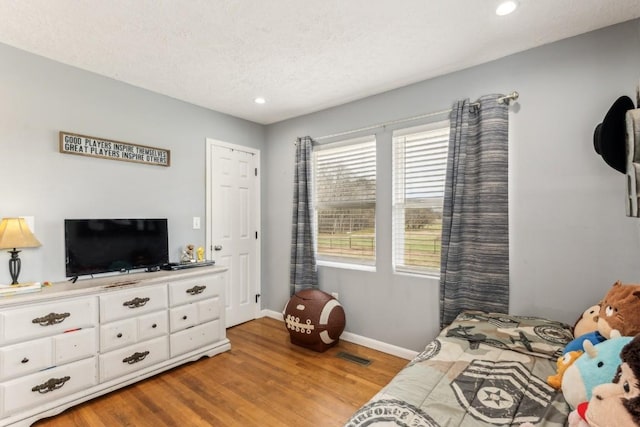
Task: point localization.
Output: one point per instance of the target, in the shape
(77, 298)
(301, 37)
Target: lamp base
(14, 266)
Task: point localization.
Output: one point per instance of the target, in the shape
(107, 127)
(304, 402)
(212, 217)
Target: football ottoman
(314, 319)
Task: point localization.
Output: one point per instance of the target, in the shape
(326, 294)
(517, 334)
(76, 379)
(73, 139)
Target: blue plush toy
(576, 344)
(598, 365)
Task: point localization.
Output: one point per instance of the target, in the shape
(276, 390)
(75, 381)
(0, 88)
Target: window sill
(422, 275)
(346, 265)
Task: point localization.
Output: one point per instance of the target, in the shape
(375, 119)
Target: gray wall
(570, 239)
(39, 98)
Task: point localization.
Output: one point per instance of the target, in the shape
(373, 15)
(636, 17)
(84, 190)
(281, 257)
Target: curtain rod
(503, 99)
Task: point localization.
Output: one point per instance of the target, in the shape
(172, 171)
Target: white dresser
(72, 342)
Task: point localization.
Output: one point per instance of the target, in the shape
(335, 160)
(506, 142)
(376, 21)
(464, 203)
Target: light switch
(196, 223)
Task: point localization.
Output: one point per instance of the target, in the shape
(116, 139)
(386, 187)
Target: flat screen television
(95, 246)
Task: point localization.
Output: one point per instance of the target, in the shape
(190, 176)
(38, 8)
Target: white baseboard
(360, 340)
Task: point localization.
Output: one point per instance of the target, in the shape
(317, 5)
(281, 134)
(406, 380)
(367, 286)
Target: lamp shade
(15, 233)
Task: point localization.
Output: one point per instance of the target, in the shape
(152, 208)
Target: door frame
(209, 144)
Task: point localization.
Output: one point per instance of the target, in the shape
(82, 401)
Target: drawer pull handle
(51, 385)
(136, 302)
(25, 360)
(51, 319)
(196, 290)
(119, 335)
(135, 357)
(154, 326)
(184, 317)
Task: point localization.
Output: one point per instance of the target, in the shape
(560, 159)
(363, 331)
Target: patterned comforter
(485, 369)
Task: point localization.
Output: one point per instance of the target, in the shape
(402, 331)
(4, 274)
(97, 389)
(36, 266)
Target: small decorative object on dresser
(187, 255)
(15, 233)
(314, 319)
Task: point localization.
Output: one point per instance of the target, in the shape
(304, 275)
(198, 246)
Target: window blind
(419, 171)
(345, 200)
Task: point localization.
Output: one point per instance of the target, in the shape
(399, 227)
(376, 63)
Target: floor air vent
(353, 358)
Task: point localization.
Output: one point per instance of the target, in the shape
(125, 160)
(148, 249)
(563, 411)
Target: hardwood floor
(263, 381)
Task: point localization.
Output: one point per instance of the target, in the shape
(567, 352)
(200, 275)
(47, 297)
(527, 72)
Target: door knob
(217, 248)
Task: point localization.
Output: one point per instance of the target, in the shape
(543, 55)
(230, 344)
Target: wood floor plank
(263, 381)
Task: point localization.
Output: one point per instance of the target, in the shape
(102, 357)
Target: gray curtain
(474, 270)
(303, 272)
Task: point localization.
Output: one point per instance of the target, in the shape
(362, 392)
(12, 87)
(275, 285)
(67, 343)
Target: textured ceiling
(301, 55)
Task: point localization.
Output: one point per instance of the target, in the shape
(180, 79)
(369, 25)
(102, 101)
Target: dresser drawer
(196, 289)
(25, 358)
(188, 315)
(32, 356)
(183, 317)
(196, 337)
(27, 322)
(74, 345)
(153, 325)
(35, 389)
(128, 331)
(117, 334)
(133, 358)
(134, 302)
(208, 310)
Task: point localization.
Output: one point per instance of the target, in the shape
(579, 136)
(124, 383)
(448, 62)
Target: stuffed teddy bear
(596, 366)
(620, 310)
(616, 403)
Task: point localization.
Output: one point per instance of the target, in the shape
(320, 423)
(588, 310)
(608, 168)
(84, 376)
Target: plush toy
(586, 328)
(617, 403)
(562, 364)
(577, 344)
(620, 310)
(587, 322)
(577, 416)
(596, 366)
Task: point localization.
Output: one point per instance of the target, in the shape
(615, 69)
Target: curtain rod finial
(513, 96)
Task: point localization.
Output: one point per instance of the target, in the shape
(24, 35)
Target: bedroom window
(345, 201)
(419, 169)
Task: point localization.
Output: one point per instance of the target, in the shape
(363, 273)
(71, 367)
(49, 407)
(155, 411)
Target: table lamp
(15, 233)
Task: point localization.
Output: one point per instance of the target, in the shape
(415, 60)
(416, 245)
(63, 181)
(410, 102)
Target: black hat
(609, 136)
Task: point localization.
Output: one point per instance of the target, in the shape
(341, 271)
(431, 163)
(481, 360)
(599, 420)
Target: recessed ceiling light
(506, 7)
(259, 100)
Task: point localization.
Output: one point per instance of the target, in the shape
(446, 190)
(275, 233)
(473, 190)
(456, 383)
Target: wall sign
(83, 145)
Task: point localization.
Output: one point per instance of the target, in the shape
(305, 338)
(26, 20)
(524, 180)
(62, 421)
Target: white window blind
(345, 200)
(419, 169)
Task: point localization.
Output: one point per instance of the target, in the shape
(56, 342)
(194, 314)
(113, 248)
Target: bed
(484, 369)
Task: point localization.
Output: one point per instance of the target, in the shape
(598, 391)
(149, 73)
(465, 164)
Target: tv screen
(95, 246)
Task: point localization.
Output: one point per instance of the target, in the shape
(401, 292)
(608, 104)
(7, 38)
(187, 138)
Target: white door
(233, 217)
